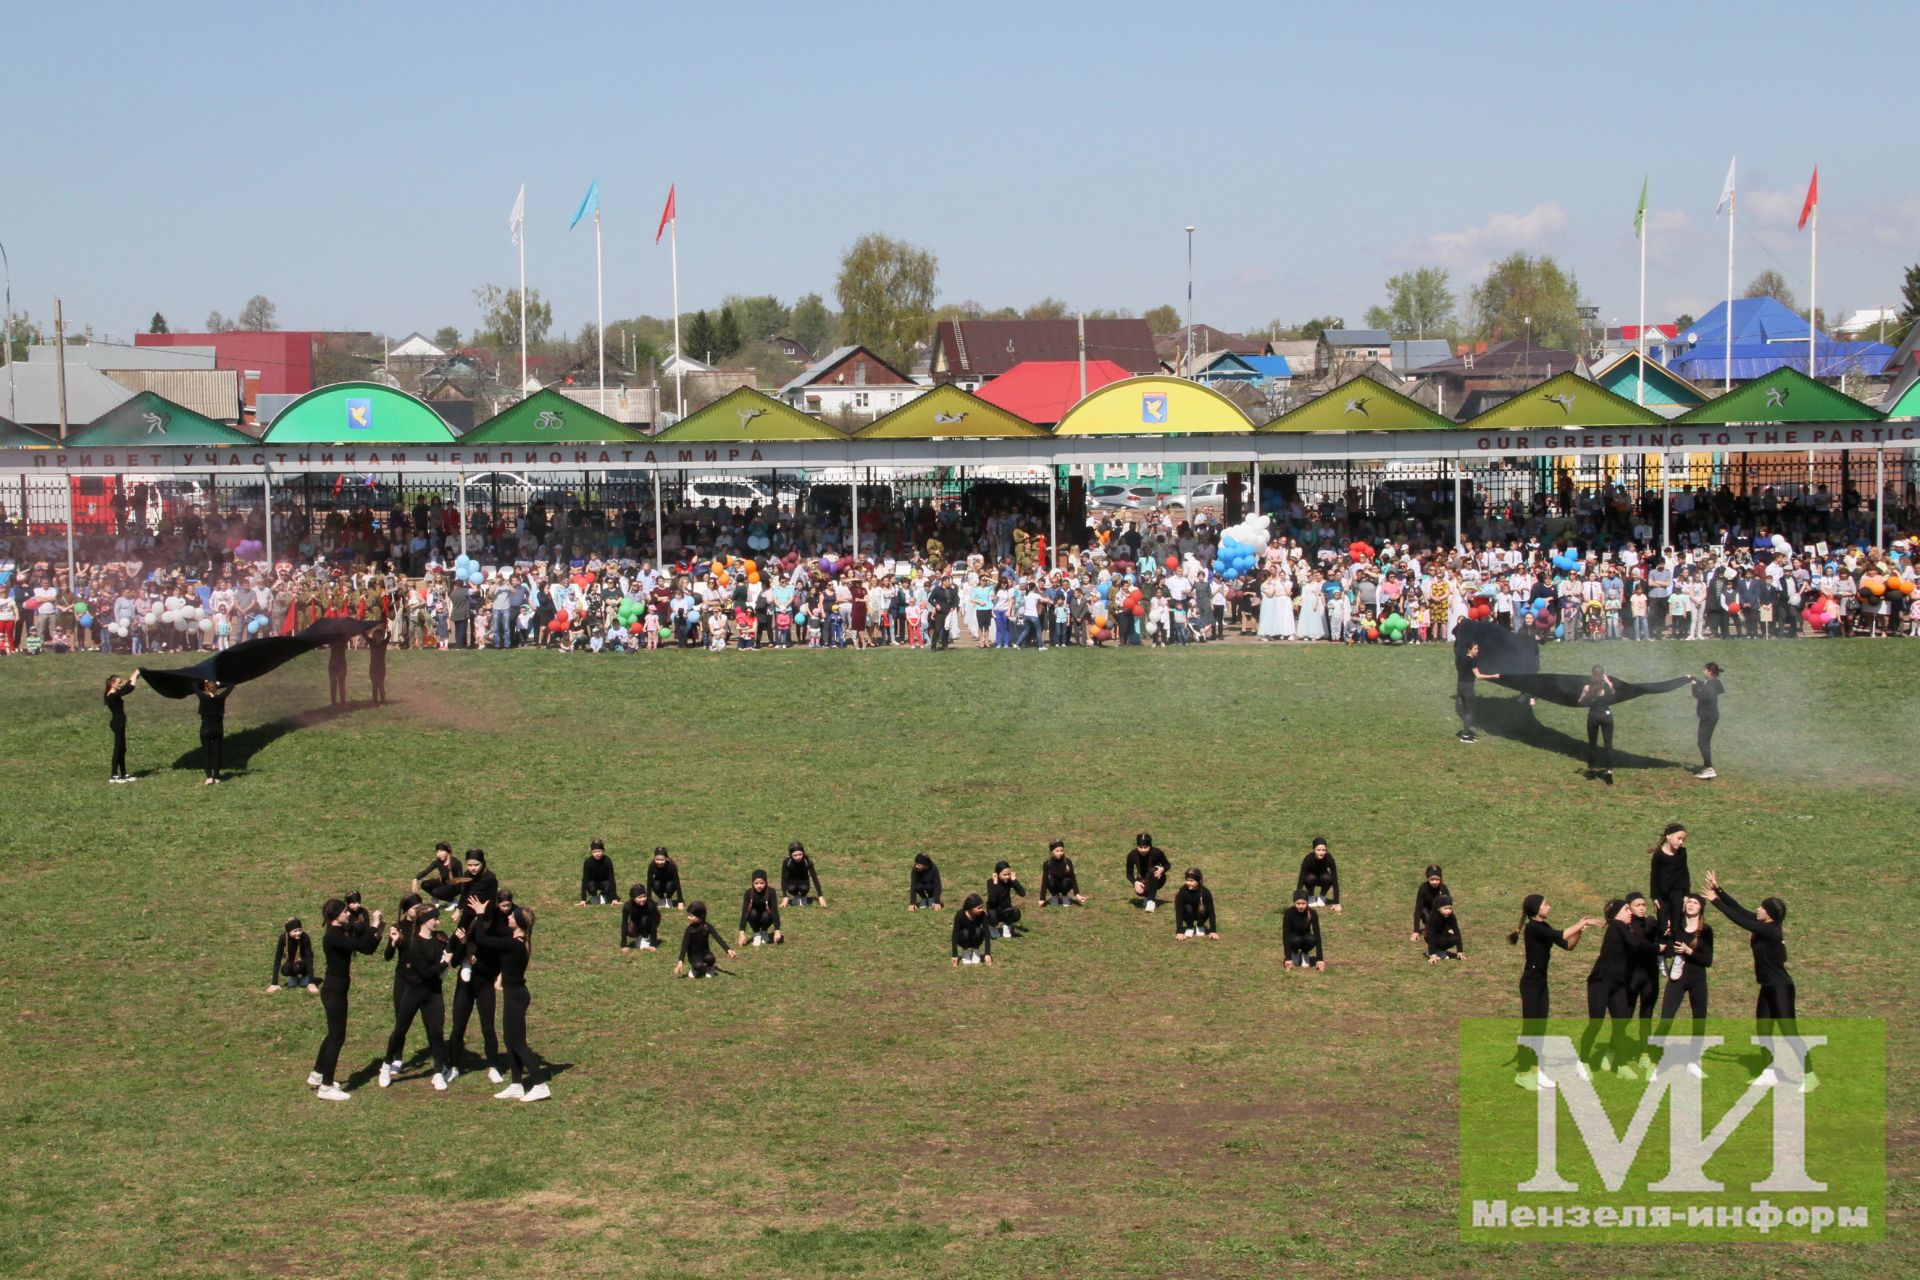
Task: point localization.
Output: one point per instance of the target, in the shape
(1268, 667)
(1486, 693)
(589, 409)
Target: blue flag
(589, 203)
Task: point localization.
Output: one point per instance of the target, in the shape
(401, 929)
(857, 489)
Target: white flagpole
(599, 310)
(1733, 199)
(1640, 381)
(523, 309)
(680, 361)
(1813, 290)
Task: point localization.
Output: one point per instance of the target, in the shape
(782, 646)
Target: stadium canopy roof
(548, 417)
(149, 418)
(744, 415)
(948, 413)
(1154, 406)
(358, 413)
(1360, 404)
(1565, 400)
(1785, 395)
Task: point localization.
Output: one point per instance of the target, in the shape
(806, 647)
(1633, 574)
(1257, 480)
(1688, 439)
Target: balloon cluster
(1821, 614)
(1393, 627)
(1567, 560)
(248, 549)
(1240, 548)
(465, 569)
(1481, 610)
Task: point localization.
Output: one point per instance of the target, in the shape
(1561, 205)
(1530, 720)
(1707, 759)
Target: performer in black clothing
(1059, 886)
(1668, 880)
(377, 664)
(596, 876)
(1434, 886)
(1608, 989)
(639, 921)
(1002, 885)
(1597, 697)
(337, 672)
(1147, 869)
(663, 879)
(482, 913)
(212, 697)
(513, 951)
(923, 884)
(1300, 934)
(1442, 932)
(1706, 704)
(797, 876)
(1773, 1008)
(292, 960)
(1688, 952)
(760, 913)
(424, 957)
(942, 599)
(118, 687)
(972, 935)
(413, 908)
(696, 945)
(441, 879)
(1541, 939)
(343, 940)
(1465, 693)
(1193, 908)
(1320, 877)
(1643, 974)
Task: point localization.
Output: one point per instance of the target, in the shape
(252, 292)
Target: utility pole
(60, 360)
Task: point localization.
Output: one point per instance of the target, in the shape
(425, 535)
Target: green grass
(1104, 1102)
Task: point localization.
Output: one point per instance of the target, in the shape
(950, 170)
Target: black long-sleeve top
(761, 902)
(485, 886)
(1701, 940)
(1141, 866)
(1300, 931)
(1769, 942)
(971, 933)
(1443, 933)
(289, 960)
(639, 921)
(340, 946)
(696, 944)
(1000, 893)
(1706, 698)
(1423, 903)
(1621, 950)
(117, 706)
(423, 961)
(510, 954)
(1056, 876)
(1314, 870)
(1668, 875)
(1540, 939)
(213, 710)
(924, 884)
(798, 873)
(596, 871)
(1194, 907)
(1646, 962)
(663, 880)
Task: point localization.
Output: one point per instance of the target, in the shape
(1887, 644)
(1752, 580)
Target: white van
(735, 492)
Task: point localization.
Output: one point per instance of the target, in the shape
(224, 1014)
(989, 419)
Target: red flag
(666, 214)
(1813, 199)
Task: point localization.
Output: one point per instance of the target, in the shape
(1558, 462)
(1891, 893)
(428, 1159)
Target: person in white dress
(1285, 580)
(1313, 610)
(1270, 606)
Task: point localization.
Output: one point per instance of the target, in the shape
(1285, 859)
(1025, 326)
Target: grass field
(1104, 1102)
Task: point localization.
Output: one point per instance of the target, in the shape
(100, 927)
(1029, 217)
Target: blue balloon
(86, 619)
(474, 577)
(1104, 588)
(1560, 631)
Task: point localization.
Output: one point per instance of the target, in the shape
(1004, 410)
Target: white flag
(517, 220)
(1726, 193)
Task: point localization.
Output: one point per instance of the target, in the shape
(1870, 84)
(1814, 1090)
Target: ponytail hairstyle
(1672, 828)
(1193, 874)
(1529, 908)
(972, 903)
(523, 917)
(1613, 908)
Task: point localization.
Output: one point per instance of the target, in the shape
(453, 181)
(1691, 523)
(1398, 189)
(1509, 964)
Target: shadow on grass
(238, 750)
(1513, 719)
(419, 1066)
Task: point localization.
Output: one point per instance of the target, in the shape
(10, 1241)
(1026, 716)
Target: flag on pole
(1813, 199)
(666, 214)
(517, 220)
(589, 203)
(1640, 214)
(1726, 194)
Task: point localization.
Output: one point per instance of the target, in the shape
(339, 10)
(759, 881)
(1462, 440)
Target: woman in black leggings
(513, 952)
(213, 727)
(1706, 704)
(1773, 1008)
(118, 687)
(1609, 990)
(1597, 697)
(1688, 954)
(344, 938)
(1541, 938)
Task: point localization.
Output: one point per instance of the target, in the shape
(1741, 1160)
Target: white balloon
(153, 618)
(170, 616)
(179, 623)
(206, 626)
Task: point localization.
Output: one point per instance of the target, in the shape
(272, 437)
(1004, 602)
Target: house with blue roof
(1247, 370)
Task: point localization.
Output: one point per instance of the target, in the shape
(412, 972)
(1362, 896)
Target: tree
(23, 334)
(697, 332)
(1523, 294)
(1909, 306)
(1683, 322)
(1320, 324)
(158, 324)
(1163, 319)
(1111, 313)
(1048, 308)
(446, 337)
(217, 323)
(726, 334)
(1419, 302)
(257, 315)
(811, 325)
(886, 289)
(500, 317)
(759, 317)
(1771, 284)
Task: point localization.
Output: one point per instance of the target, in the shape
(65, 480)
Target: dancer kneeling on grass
(759, 913)
(696, 945)
(1541, 939)
(512, 952)
(797, 876)
(292, 960)
(663, 880)
(1320, 877)
(596, 877)
(1147, 868)
(1431, 888)
(345, 937)
(1059, 886)
(923, 884)
(639, 921)
(424, 960)
(1443, 932)
(1002, 885)
(1773, 1009)
(972, 935)
(1300, 935)
(1193, 909)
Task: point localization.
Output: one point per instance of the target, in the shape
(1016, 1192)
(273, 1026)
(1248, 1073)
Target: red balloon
(1733, 606)
(1137, 611)
(1173, 562)
(1373, 633)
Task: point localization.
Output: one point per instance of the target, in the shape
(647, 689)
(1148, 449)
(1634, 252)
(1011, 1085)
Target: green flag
(1640, 214)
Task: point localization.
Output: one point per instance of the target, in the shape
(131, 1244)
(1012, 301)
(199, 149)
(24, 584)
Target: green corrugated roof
(947, 413)
(1908, 405)
(363, 413)
(747, 415)
(15, 436)
(149, 418)
(1785, 395)
(549, 417)
(1567, 400)
(1359, 404)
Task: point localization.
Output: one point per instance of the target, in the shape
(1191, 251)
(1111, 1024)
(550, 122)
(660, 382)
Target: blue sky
(356, 163)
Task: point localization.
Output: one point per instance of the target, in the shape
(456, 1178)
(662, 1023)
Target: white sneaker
(397, 1066)
(1707, 773)
(1581, 1067)
(493, 1074)
(332, 1093)
(453, 1073)
(1547, 1083)
(1809, 1083)
(439, 1082)
(1767, 1079)
(759, 941)
(1150, 904)
(511, 1093)
(539, 1093)
(314, 1080)
(1646, 1066)
(1625, 1073)
(1006, 931)
(1528, 1080)
(1694, 1069)
(466, 973)
(386, 1075)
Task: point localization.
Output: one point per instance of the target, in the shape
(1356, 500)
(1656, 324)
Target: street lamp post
(1189, 370)
(6, 338)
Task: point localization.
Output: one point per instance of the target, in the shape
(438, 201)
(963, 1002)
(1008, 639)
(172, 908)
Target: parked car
(1123, 497)
(735, 492)
(1206, 493)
